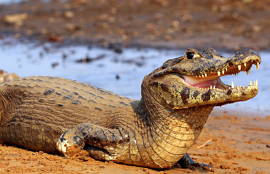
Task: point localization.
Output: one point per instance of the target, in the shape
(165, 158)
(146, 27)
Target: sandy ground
(223, 24)
(231, 144)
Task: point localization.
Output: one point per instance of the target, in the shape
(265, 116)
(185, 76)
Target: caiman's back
(36, 110)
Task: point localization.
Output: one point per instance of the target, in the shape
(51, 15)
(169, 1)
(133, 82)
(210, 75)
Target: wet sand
(231, 144)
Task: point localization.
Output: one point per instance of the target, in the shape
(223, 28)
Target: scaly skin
(53, 114)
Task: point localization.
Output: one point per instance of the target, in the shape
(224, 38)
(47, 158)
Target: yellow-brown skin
(154, 132)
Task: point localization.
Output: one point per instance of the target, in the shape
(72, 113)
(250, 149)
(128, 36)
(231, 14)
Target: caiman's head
(194, 79)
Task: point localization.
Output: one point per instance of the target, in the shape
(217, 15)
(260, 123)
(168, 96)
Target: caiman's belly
(161, 148)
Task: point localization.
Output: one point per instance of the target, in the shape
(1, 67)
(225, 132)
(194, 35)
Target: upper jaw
(231, 66)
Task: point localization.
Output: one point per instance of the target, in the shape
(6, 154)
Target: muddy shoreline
(225, 24)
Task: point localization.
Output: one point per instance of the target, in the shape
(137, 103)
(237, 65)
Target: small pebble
(55, 64)
(117, 77)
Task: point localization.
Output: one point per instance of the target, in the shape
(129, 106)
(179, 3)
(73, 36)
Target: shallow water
(120, 73)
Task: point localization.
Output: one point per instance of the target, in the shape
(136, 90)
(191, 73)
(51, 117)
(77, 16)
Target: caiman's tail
(4, 99)
(4, 103)
(4, 76)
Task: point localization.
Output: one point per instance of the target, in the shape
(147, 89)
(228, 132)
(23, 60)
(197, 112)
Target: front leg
(101, 143)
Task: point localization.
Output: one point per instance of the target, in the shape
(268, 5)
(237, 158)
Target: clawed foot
(187, 162)
(69, 141)
(100, 142)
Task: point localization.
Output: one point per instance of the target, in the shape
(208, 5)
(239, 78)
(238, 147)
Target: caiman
(54, 115)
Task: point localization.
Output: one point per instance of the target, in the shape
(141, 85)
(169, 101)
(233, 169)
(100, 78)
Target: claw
(187, 162)
(67, 140)
(62, 144)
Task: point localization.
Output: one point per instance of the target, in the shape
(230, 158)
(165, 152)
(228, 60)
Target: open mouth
(211, 80)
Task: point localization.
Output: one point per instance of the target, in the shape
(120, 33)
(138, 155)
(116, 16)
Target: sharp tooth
(239, 67)
(223, 72)
(257, 65)
(214, 87)
(226, 69)
(218, 73)
(205, 75)
(232, 85)
(211, 87)
(245, 64)
(202, 75)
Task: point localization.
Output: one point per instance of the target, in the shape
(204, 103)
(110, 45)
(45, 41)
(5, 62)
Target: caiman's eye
(190, 55)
